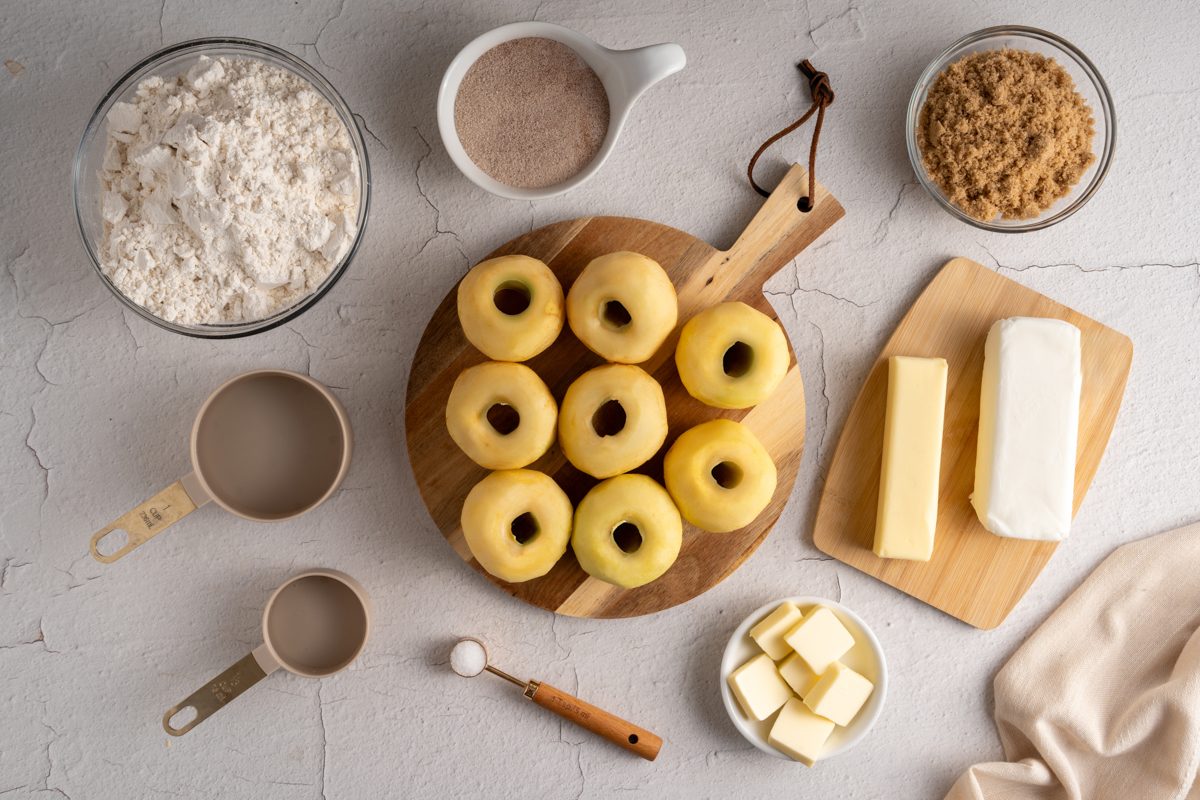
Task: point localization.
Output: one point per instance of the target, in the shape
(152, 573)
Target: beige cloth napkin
(1103, 701)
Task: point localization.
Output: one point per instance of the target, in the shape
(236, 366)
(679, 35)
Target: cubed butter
(820, 639)
(799, 733)
(839, 694)
(1028, 428)
(758, 687)
(768, 634)
(797, 674)
(912, 457)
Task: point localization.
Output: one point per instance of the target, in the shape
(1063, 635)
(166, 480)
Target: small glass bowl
(1087, 82)
(170, 62)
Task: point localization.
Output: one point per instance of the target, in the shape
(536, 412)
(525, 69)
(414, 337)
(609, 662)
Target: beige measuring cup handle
(153, 516)
(217, 693)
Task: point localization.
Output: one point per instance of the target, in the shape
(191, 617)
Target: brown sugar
(531, 113)
(1004, 133)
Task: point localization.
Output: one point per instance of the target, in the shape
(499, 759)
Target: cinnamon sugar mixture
(531, 113)
(1004, 133)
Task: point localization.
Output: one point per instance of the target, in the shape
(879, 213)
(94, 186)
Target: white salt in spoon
(469, 657)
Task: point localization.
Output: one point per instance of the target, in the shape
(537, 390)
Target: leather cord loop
(822, 97)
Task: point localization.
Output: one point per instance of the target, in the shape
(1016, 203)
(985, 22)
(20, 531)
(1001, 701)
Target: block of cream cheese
(839, 694)
(797, 674)
(800, 733)
(758, 687)
(768, 634)
(820, 639)
(912, 458)
(1028, 428)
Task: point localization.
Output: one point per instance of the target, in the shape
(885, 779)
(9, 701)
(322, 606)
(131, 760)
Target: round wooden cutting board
(703, 276)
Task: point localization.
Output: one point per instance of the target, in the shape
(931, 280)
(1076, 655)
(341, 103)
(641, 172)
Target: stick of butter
(1028, 428)
(912, 458)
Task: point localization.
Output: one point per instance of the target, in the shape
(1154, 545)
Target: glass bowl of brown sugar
(1011, 129)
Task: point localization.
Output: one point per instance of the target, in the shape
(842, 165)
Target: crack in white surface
(9, 565)
(824, 392)
(55, 735)
(162, 11)
(1187, 265)
(576, 747)
(315, 44)
(324, 737)
(438, 230)
(821, 368)
(42, 466)
(363, 121)
(137, 346)
(308, 348)
(839, 29)
(790, 294)
(885, 225)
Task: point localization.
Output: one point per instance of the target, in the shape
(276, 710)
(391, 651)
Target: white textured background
(95, 406)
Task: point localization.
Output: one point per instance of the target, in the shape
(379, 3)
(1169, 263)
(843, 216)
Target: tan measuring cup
(267, 445)
(314, 624)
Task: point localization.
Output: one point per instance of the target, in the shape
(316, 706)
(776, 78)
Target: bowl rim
(301, 68)
(862, 725)
(1107, 111)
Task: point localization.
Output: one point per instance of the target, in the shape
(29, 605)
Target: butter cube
(799, 733)
(768, 633)
(839, 694)
(758, 687)
(798, 675)
(820, 639)
(912, 456)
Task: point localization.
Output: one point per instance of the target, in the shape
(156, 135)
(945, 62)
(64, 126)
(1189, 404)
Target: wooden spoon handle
(616, 730)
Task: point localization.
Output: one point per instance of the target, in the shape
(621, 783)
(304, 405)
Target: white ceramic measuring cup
(626, 74)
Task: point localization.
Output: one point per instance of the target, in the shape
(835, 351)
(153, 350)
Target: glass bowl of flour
(221, 187)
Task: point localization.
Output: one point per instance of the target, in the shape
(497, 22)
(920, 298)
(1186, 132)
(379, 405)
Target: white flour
(230, 192)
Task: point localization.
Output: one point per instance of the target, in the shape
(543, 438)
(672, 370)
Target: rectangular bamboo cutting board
(974, 575)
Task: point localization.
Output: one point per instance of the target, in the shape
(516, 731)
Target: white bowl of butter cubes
(803, 678)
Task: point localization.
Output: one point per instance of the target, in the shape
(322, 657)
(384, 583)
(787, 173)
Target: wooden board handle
(778, 232)
(597, 720)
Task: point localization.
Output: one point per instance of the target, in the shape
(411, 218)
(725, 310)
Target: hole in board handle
(804, 204)
(633, 738)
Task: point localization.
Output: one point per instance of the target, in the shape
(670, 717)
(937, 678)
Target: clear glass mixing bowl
(1087, 82)
(169, 63)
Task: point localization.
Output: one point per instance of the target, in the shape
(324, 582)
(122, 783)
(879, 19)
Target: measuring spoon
(469, 657)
